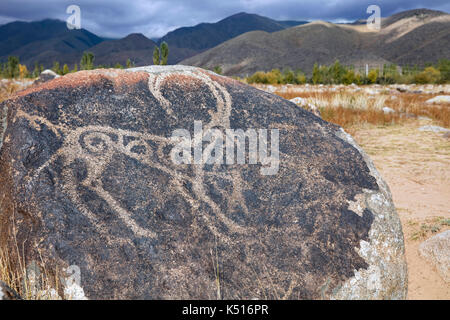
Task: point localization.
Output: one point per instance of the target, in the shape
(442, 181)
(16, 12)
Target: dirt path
(416, 165)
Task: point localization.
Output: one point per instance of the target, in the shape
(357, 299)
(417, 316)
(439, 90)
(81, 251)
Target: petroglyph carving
(221, 118)
(96, 146)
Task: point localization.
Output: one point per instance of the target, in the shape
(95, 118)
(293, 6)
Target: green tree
(161, 54)
(444, 68)
(65, 69)
(288, 76)
(13, 67)
(337, 72)
(372, 76)
(87, 61)
(300, 78)
(129, 64)
(349, 77)
(56, 67)
(75, 68)
(118, 66)
(35, 73)
(316, 74)
(156, 59)
(164, 53)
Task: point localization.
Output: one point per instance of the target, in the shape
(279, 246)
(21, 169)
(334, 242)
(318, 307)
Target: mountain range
(243, 43)
(407, 38)
(49, 40)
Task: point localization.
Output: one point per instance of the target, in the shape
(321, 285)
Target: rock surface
(387, 110)
(6, 293)
(432, 128)
(437, 251)
(87, 180)
(46, 75)
(439, 99)
(306, 105)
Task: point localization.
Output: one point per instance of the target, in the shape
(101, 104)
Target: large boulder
(439, 99)
(90, 180)
(436, 250)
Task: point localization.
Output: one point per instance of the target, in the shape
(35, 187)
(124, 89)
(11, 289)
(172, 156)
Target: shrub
(372, 76)
(217, 69)
(23, 71)
(429, 75)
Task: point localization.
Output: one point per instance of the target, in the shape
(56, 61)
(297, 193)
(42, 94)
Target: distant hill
(136, 47)
(410, 37)
(242, 43)
(414, 37)
(49, 40)
(44, 41)
(188, 41)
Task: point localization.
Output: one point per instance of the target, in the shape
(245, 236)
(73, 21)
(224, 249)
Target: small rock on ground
(437, 251)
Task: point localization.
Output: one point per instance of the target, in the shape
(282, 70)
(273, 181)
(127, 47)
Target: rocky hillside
(136, 47)
(410, 37)
(44, 42)
(188, 41)
(49, 40)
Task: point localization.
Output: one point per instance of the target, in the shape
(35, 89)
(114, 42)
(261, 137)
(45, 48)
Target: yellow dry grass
(349, 109)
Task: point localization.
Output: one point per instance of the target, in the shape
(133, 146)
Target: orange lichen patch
(86, 78)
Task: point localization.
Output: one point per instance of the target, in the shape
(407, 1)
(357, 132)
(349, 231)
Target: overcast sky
(154, 18)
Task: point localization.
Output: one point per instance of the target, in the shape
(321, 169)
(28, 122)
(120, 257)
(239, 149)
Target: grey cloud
(154, 18)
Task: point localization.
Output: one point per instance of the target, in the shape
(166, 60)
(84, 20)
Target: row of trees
(340, 74)
(13, 69)
(277, 77)
(334, 74)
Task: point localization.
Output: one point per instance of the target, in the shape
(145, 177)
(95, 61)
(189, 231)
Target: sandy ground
(416, 166)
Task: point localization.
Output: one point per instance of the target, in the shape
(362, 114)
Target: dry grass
(7, 89)
(430, 226)
(350, 109)
(416, 104)
(31, 280)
